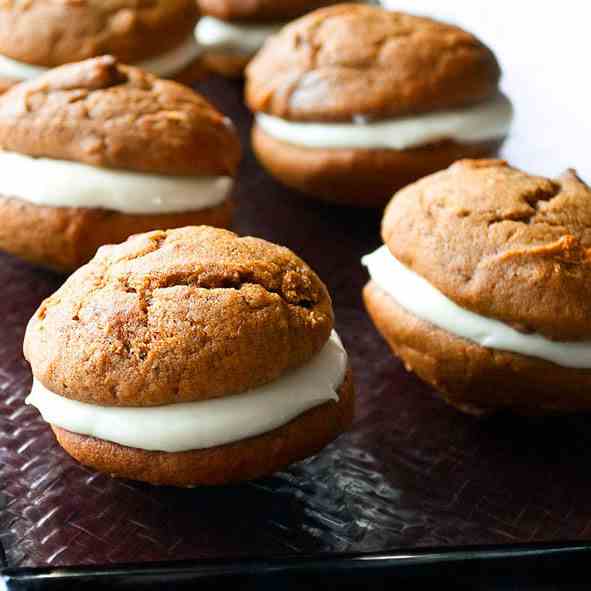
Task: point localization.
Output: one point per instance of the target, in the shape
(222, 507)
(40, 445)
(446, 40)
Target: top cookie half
(102, 113)
(53, 32)
(177, 316)
(501, 243)
(353, 60)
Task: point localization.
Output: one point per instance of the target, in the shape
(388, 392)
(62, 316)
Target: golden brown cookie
(189, 315)
(102, 113)
(110, 117)
(475, 228)
(49, 34)
(357, 65)
(507, 246)
(226, 314)
(350, 59)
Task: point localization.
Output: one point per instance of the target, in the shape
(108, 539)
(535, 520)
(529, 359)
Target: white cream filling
(423, 300)
(231, 37)
(61, 183)
(166, 64)
(486, 121)
(201, 425)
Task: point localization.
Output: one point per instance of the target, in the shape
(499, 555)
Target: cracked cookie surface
(50, 33)
(102, 113)
(352, 60)
(177, 316)
(500, 242)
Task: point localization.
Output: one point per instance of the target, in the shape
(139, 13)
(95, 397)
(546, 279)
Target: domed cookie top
(352, 60)
(501, 243)
(102, 113)
(54, 32)
(259, 10)
(175, 316)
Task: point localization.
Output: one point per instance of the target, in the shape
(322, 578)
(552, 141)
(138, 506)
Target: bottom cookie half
(362, 178)
(64, 238)
(235, 462)
(472, 378)
(225, 64)
(194, 72)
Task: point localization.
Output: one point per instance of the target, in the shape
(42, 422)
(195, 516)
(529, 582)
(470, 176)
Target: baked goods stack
(482, 287)
(353, 102)
(96, 151)
(179, 353)
(228, 369)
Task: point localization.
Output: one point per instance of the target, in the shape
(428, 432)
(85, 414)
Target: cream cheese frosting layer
(423, 300)
(486, 121)
(241, 38)
(165, 64)
(201, 425)
(61, 183)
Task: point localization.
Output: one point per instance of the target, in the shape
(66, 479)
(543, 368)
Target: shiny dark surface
(527, 568)
(412, 472)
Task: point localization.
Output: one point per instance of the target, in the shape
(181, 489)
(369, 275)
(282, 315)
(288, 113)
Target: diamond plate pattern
(412, 472)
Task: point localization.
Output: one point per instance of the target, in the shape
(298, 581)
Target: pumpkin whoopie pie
(230, 32)
(190, 356)
(352, 102)
(482, 287)
(95, 151)
(155, 35)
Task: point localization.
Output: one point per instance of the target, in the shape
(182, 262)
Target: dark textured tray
(412, 472)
